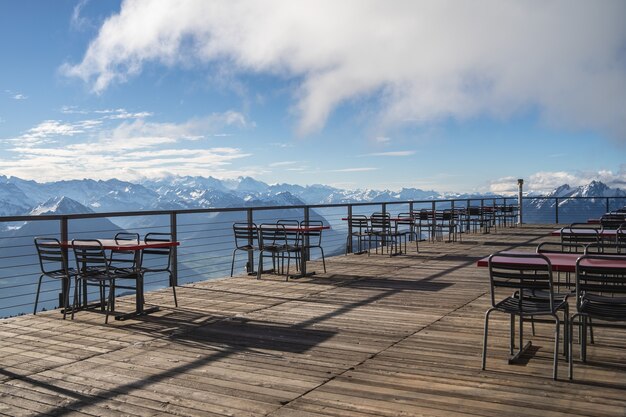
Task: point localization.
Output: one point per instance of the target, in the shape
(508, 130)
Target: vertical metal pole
(64, 238)
(520, 185)
(607, 205)
(307, 251)
(556, 206)
(433, 221)
(349, 237)
(250, 263)
(174, 232)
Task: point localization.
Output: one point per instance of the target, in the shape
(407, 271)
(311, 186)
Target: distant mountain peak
(60, 205)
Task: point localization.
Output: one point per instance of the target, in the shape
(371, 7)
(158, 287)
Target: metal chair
(273, 243)
(600, 294)
(53, 263)
(581, 234)
(92, 266)
(405, 226)
(293, 236)
(245, 237)
(525, 280)
(163, 255)
(380, 228)
(312, 238)
(124, 260)
(358, 228)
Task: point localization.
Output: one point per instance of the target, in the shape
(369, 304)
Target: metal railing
(207, 241)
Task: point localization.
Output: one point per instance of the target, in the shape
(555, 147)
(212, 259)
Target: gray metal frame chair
(245, 236)
(272, 242)
(600, 295)
(294, 239)
(155, 253)
(525, 280)
(53, 263)
(358, 227)
(124, 260)
(380, 228)
(92, 266)
(312, 238)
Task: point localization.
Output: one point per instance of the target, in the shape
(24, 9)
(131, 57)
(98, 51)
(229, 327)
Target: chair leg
(512, 341)
(556, 347)
(571, 346)
(66, 295)
(37, 296)
(173, 289)
(260, 267)
(110, 302)
(323, 258)
(76, 297)
(485, 338)
(232, 264)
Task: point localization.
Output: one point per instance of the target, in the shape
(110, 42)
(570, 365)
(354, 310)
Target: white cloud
(545, 181)
(424, 61)
(390, 153)
(283, 163)
(362, 169)
(124, 149)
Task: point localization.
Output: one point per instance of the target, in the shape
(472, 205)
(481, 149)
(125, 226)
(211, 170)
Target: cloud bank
(423, 61)
(127, 148)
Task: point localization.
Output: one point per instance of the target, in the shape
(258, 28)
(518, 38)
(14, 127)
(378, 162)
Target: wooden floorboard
(374, 336)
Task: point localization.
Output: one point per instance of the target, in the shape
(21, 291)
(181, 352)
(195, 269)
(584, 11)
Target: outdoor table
(119, 245)
(561, 262)
(610, 233)
(302, 230)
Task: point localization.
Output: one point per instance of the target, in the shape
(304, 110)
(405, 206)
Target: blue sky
(357, 94)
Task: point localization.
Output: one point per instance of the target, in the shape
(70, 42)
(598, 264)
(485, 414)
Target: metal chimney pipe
(520, 186)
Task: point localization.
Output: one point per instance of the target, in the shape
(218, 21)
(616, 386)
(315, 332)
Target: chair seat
(530, 306)
(605, 308)
(61, 273)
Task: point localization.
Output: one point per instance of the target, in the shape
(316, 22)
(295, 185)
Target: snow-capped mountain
(575, 204)
(60, 205)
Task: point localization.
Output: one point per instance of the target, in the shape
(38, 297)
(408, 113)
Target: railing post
(607, 205)
(307, 251)
(556, 206)
(250, 263)
(520, 211)
(174, 232)
(349, 237)
(433, 221)
(64, 238)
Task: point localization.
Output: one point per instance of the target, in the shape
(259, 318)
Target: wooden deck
(376, 336)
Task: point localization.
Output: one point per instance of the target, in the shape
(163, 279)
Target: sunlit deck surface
(375, 336)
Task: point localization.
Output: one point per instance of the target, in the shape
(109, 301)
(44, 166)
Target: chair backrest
(603, 275)
(272, 235)
(90, 256)
(359, 221)
(524, 273)
(314, 236)
(292, 232)
(52, 257)
(607, 248)
(612, 220)
(581, 233)
(124, 258)
(164, 253)
(380, 222)
(245, 234)
(560, 247)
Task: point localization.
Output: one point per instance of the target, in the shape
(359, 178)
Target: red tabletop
(111, 244)
(561, 262)
(590, 232)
